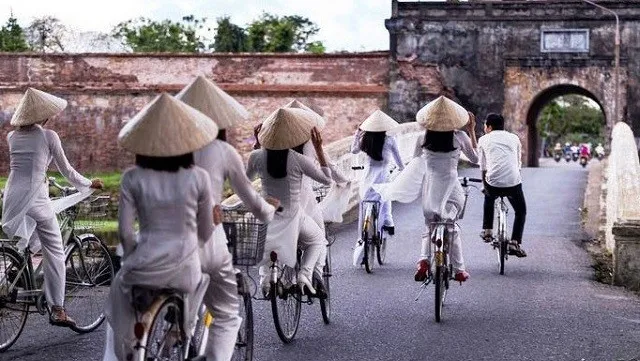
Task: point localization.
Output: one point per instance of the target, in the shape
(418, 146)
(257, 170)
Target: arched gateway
(512, 57)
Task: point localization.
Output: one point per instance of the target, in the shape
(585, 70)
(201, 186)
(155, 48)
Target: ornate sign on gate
(564, 40)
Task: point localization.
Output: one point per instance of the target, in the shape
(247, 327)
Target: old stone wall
(476, 46)
(105, 90)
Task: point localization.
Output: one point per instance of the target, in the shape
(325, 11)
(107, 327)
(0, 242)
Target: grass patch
(111, 180)
(103, 226)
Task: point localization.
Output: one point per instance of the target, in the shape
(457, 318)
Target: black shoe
(321, 292)
(391, 230)
(516, 250)
(487, 238)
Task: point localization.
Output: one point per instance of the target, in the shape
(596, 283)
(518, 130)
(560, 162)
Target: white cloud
(353, 25)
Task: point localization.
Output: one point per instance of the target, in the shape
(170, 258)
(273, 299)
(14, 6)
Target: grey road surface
(546, 306)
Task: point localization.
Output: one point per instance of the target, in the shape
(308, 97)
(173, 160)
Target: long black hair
(277, 161)
(441, 142)
(165, 164)
(372, 144)
(222, 135)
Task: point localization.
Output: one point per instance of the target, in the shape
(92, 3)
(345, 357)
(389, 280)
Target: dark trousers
(516, 198)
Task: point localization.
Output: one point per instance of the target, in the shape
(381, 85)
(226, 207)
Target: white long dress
(222, 161)
(434, 175)
(377, 172)
(292, 223)
(174, 211)
(26, 205)
(310, 204)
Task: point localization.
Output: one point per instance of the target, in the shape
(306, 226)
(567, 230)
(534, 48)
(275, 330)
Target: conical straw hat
(378, 121)
(295, 103)
(286, 128)
(442, 115)
(36, 106)
(167, 127)
(206, 97)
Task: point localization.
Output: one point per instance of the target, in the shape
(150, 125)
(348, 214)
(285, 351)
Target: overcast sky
(352, 25)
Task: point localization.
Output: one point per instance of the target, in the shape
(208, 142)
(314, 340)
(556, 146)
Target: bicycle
(374, 243)
(441, 233)
(321, 191)
(89, 272)
(164, 329)
(500, 241)
(246, 237)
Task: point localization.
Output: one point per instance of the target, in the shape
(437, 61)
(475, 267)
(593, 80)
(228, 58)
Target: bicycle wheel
(325, 304)
(441, 290)
(381, 248)
(502, 251)
(285, 304)
(165, 340)
(244, 344)
(89, 272)
(369, 252)
(13, 315)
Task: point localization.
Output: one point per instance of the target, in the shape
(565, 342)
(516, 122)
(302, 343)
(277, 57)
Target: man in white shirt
(500, 154)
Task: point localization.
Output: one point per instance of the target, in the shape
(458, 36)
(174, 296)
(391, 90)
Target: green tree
(229, 38)
(571, 118)
(146, 35)
(46, 34)
(272, 33)
(12, 36)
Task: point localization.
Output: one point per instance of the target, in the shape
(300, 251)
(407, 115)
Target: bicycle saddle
(142, 297)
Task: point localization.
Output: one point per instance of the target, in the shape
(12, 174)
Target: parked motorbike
(567, 157)
(584, 161)
(576, 156)
(557, 156)
(600, 156)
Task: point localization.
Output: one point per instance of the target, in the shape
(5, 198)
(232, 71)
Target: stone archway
(528, 88)
(544, 97)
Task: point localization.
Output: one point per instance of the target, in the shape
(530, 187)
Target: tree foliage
(146, 35)
(46, 34)
(571, 118)
(271, 33)
(12, 37)
(229, 38)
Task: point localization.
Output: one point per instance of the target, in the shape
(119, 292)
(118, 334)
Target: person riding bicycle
(433, 173)
(500, 154)
(371, 138)
(171, 199)
(222, 162)
(308, 199)
(26, 208)
(282, 167)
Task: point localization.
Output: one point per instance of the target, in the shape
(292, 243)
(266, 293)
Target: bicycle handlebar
(358, 167)
(65, 190)
(464, 181)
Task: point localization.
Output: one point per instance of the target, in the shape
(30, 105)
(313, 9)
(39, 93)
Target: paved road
(546, 307)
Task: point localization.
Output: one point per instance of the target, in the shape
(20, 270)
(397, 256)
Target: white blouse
(31, 151)
(221, 161)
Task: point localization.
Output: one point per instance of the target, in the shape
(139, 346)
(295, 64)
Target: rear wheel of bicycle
(285, 305)
(244, 344)
(165, 340)
(367, 257)
(89, 272)
(441, 290)
(325, 304)
(13, 316)
(381, 248)
(200, 336)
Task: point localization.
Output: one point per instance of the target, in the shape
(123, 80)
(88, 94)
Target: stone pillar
(626, 255)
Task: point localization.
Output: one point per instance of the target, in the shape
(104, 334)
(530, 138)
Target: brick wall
(105, 90)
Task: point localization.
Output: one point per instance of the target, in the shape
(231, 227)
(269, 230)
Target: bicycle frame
(502, 210)
(371, 214)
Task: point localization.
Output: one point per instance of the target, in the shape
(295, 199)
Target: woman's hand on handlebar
(97, 183)
(273, 201)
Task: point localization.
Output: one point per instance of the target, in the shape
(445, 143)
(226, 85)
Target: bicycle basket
(246, 236)
(91, 215)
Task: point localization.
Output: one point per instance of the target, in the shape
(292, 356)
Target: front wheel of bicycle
(13, 315)
(440, 281)
(285, 304)
(244, 344)
(89, 272)
(165, 340)
(325, 303)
